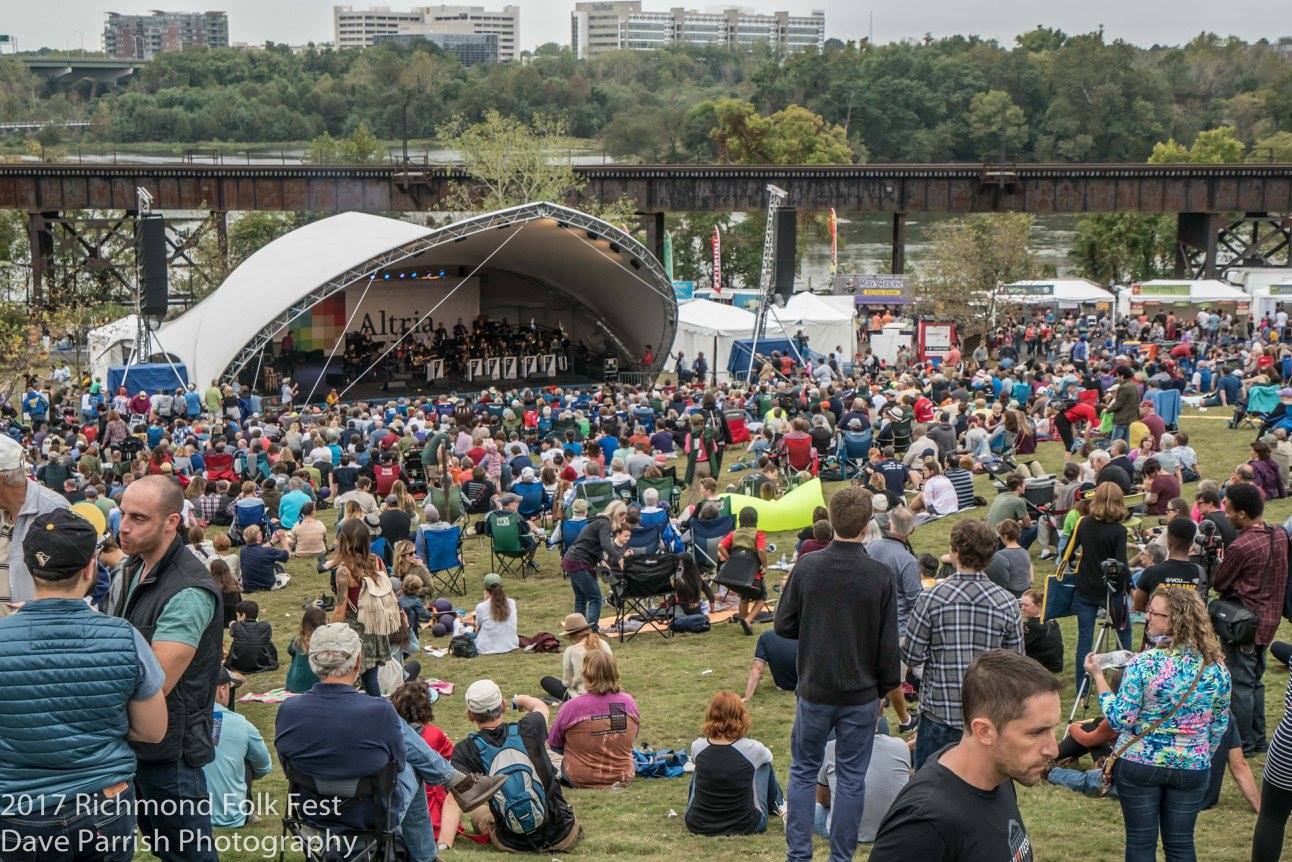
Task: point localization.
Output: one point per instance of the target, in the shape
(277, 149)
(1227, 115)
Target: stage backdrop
(387, 311)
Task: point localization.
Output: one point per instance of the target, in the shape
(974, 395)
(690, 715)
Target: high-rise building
(611, 25)
(470, 48)
(142, 37)
(359, 28)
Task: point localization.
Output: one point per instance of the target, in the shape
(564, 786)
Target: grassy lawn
(673, 680)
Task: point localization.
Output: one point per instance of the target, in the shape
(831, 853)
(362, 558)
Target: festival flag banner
(834, 242)
(717, 260)
(668, 255)
(509, 366)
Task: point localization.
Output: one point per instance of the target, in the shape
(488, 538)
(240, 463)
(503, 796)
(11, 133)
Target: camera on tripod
(1116, 576)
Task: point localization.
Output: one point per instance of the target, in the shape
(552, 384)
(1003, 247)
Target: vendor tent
(1065, 292)
(1197, 292)
(826, 325)
(111, 344)
(711, 328)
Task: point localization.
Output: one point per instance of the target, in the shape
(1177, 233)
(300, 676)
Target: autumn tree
(971, 261)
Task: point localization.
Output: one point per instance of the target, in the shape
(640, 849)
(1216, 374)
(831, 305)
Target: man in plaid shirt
(951, 625)
(1254, 573)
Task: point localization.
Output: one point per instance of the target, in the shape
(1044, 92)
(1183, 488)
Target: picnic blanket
(274, 695)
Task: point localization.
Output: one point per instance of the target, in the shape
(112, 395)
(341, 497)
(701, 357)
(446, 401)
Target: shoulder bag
(1107, 779)
(1235, 625)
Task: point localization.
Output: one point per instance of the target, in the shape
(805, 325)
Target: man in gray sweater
(841, 606)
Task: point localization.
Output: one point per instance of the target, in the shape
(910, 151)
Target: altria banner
(389, 309)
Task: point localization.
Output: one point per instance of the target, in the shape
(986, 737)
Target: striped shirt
(1278, 763)
(962, 480)
(951, 625)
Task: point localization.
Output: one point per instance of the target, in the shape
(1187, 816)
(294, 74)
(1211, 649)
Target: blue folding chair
(705, 536)
(533, 499)
(646, 537)
(441, 550)
(570, 529)
(854, 451)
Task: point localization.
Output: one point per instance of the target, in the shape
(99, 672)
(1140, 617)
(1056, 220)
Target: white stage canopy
(537, 261)
(826, 325)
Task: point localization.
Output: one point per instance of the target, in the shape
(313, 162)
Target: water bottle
(704, 606)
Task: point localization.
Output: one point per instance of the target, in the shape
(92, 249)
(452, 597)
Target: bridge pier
(653, 224)
(898, 258)
(1197, 232)
(40, 237)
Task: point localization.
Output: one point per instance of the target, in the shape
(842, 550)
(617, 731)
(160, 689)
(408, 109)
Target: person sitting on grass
(299, 676)
(582, 639)
(733, 789)
(1043, 641)
(752, 539)
(252, 650)
(595, 731)
(415, 701)
(240, 757)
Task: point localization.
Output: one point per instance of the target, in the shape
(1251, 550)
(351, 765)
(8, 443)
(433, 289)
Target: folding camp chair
(645, 577)
(507, 553)
(532, 497)
(735, 420)
(599, 494)
(374, 844)
(1261, 401)
(800, 455)
(669, 492)
(705, 536)
(646, 537)
(854, 452)
(450, 505)
(414, 475)
(441, 550)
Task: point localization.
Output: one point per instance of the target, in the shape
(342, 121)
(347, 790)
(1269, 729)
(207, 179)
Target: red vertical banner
(717, 260)
(834, 242)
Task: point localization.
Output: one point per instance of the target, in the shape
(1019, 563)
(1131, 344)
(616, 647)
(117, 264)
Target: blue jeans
(1028, 536)
(821, 820)
(1247, 672)
(86, 822)
(1087, 612)
(587, 595)
(1158, 798)
(1120, 432)
(854, 730)
(177, 830)
(766, 789)
(931, 737)
(1088, 782)
(416, 830)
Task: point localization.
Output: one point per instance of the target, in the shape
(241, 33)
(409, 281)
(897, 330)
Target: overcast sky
(73, 23)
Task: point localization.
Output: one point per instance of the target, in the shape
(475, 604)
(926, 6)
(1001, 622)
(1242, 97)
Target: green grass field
(673, 680)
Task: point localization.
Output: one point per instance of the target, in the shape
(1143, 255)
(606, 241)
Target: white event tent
(826, 325)
(1064, 292)
(711, 328)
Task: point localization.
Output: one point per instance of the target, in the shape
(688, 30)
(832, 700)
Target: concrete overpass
(65, 71)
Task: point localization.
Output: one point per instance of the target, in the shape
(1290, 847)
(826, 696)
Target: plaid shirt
(207, 506)
(1255, 571)
(951, 625)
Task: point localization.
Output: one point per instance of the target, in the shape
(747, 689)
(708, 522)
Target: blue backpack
(521, 803)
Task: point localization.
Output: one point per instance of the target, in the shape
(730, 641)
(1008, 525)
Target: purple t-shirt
(596, 733)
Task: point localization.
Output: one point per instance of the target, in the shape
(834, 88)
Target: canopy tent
(1183, 292)
(1065, 292)
(826, 325)
(111, 344)
(535, 261)
(147, 377)
(711, 328)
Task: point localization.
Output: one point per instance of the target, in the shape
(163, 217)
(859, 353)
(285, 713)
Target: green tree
(793, 135)
(971, 260)
(992, 116)
(1211, 147)
(1272, 148)
(360, 147)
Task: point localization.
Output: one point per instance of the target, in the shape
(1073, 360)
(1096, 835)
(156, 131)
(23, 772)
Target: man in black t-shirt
(1208, 503)
(559, 831)
(781, 655)
(345, 476)
(894, 472)
(1177, 570)
(961, 804)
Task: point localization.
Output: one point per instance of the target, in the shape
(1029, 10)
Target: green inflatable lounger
(791, 512)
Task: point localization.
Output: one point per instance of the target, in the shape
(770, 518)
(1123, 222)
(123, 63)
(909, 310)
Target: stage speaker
(150, 247)
(786, 245)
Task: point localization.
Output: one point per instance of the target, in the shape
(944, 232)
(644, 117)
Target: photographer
(1207, 501)
(1253, 575)
(1177, 570)
(1100, 537)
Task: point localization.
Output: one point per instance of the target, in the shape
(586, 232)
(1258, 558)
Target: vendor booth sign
(683, 290)
(875, 289)
(1028, 289)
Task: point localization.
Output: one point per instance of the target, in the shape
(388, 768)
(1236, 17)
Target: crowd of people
(136, 530)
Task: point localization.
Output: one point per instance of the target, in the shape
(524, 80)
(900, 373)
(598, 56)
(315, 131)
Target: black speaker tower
(150, 248)
(786, 245)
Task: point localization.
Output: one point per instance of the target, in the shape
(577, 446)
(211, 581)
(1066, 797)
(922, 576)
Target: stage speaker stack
(786, 246)
(150, 249)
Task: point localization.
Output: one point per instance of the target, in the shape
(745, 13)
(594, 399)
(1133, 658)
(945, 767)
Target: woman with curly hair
(733, 788)
(1171, 712)
(415, 701)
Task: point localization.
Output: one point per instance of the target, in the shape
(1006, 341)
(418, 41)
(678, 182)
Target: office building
(360, 28)
(142, 37)
(469, 48)
(597, 27)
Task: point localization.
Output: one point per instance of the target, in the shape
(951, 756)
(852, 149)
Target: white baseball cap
(12, 456)
(483, 696)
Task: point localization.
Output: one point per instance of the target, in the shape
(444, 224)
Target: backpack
(691, 624)
(461, 646)
(521, 803)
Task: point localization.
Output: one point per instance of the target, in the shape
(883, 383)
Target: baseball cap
(492, 580)
(337, 639)
(1085, 490)
(483, 696)
(12, 456)
(58, 544)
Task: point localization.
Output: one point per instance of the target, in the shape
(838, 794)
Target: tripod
(1083, 693)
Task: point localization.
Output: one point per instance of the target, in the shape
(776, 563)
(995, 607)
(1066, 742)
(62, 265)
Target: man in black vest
(173, 602)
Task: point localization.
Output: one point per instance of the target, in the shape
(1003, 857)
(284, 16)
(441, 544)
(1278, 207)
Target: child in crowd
(230, 589)
(300, 678)
(412, 606)
(747, 536)
(252, 650)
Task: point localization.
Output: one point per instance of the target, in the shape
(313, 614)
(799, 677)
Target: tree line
(1049, 96)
